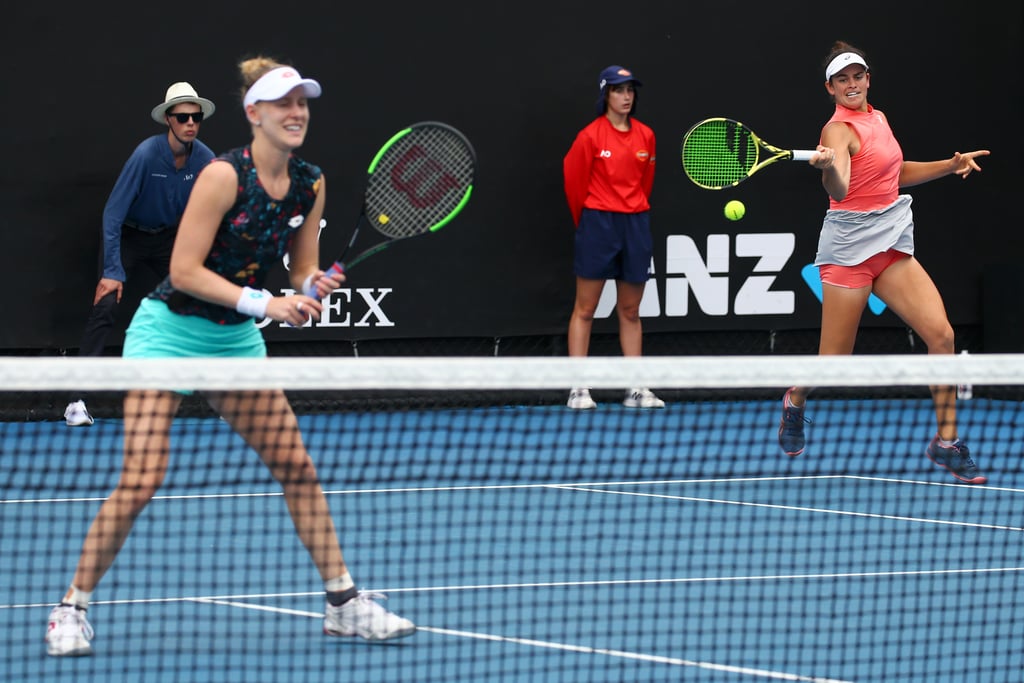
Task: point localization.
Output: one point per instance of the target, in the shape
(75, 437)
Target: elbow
(837, 194)
(836, 190)
(175, 281)
(179, 277)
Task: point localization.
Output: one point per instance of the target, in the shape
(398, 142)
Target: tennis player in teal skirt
(249, 208)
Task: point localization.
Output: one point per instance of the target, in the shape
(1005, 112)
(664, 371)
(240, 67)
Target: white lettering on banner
(332, 308)
(709, 281)
(711, 291)
(286, 259)
(373, 304)
(755, 296)
(338, 309)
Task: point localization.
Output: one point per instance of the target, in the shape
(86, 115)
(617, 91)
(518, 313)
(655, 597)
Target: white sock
(342, 583)
(78, 597)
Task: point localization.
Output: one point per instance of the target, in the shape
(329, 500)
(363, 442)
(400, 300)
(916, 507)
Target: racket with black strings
(720, 153)
(418, 182)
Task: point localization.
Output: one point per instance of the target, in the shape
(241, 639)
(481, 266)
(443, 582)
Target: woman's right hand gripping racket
(417, 183)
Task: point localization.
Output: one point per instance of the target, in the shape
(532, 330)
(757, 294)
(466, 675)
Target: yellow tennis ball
(734, 210)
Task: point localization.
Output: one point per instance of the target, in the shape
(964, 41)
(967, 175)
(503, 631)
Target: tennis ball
(734, 210)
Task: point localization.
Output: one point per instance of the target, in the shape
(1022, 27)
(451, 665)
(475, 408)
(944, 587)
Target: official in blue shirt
(142, 213)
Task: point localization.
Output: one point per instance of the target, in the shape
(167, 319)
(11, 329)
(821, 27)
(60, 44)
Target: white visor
(841, 62)
(277, 83)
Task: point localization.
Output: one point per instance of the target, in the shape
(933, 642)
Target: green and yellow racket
(720, 153)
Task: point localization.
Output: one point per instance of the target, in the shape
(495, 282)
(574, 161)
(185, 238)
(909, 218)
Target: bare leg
(631, 335)
(841, 310)
(911, 294)
(147, 421)
(266, 421)
(588, 294)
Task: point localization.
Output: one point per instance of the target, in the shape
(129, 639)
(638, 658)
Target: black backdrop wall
(520, 80)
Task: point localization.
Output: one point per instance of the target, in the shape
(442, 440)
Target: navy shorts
(613, 246)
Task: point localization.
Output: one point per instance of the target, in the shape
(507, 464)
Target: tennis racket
(416, 184)
(720, 153)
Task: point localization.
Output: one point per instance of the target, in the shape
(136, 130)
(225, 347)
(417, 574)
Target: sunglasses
(183, 117)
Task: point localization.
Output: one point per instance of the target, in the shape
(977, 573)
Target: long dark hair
(602, 102)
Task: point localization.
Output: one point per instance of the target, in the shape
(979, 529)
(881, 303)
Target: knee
(629, 314)
(584, 313)
(133, 498)
(942, 341)
(294, 470)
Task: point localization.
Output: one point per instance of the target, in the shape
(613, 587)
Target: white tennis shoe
(579, 399)
(362, 616)
(642, 398)
(68, 632)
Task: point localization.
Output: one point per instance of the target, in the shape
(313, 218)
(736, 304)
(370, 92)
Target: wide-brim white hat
(178, 93)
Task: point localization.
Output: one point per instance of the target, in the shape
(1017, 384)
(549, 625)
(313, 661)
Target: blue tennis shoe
(791, 427)
(957, 459)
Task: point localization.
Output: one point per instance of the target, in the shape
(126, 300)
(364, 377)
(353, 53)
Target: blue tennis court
(532, 543)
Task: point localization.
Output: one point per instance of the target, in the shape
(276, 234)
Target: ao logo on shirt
(641, 154)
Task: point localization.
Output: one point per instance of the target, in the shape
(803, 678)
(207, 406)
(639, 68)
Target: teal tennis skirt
(157, 332)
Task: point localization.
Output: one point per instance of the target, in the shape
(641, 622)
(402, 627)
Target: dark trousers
(138, 248)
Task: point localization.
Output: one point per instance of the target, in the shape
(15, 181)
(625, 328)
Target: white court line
(796, 508)
(562, 584)
(549, 485)
(232, 601)
(943, 484)
(565, 647)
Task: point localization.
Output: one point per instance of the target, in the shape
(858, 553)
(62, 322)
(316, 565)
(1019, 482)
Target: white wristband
(253, 302)
(309, 288)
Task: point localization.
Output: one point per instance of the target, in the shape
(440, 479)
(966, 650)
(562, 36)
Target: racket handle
(803, 154)
(338, 267)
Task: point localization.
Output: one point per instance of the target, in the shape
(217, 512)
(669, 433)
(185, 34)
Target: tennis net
(527, 541)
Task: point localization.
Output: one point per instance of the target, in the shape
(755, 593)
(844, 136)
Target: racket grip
(338, 267)
(803, 154)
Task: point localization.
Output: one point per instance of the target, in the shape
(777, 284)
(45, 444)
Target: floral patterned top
(256, 233)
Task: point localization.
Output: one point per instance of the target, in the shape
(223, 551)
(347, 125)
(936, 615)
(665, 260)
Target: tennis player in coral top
(608, 174)
(867, 246)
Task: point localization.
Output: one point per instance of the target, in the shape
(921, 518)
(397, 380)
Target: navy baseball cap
(612, 75)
